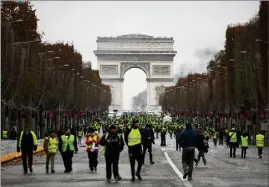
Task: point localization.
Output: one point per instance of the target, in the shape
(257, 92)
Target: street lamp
(243, 52)
(66, 65)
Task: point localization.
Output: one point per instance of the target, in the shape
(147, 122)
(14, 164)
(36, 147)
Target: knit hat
(91, 129)
(112, 127)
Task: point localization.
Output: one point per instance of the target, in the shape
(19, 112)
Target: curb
(13, 155)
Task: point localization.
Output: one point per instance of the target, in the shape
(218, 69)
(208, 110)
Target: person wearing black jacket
(113, 144)
(27, 143)
(189, 141)
(148, 136)
(177, 134)
(202, 148)
(67, 147)
(133, 138)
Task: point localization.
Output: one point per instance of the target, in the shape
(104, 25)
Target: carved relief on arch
(109, 69)
(124, 66)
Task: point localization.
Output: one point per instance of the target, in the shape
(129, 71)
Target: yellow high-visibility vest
(68, 142)
(215, 136)
(34, 138)
(134, 137)
(260, 140)
(244, 141)
(53, 145)
(5, 134)
(80, 133)
(94, 138)
(233, 138)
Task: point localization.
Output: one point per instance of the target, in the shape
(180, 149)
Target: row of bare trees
(236, 82)
(38, 76)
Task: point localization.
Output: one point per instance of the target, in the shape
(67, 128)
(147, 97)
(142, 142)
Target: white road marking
(185, 182)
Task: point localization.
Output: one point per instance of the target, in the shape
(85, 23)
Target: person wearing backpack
(113, 144)
(50, 147)
(244, 144)
(233, 142)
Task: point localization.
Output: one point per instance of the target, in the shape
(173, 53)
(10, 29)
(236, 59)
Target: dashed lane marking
(185, 182)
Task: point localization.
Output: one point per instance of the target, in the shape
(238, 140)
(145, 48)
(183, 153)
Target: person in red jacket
(92, 142)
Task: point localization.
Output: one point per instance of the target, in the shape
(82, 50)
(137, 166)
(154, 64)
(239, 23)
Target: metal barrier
(9, 146)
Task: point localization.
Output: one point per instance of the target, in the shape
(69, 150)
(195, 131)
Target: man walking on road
(244, 144)
(188, 140)
(233, 142)
(92, 141)
(163, 137)
(148, 135)
(113, 145)
(133, 138)
(202, 148)
(260, 143)
(80, 134)
(221, 134)
(51, 148)
(68, 145)
(178, 131)
(27, 142)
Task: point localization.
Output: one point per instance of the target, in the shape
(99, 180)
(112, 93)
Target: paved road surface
(166, 172)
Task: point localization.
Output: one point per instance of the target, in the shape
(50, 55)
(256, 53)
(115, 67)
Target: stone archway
(144, 66)
(116, 55)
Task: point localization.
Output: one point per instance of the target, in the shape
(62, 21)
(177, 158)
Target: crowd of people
(138, 137)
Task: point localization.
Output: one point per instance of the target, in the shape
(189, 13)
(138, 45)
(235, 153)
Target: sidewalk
(9, 149)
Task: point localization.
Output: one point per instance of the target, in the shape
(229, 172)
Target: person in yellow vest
(260, 143)
(92, 141)
(67, 146)
(133, 138)
(233, 142)
(5, 134)
(51, 148)
(113, 145)
(215, 138)
(27, 143)
(80, 134)
(244, 144)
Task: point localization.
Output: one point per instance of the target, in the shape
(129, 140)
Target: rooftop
(135, 36)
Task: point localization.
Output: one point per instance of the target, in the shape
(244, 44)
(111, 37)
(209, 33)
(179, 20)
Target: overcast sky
(198, 28)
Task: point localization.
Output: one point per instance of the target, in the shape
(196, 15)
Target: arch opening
(134, 89)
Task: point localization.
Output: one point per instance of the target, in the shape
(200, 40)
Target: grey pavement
(221, 171)
(9, 146)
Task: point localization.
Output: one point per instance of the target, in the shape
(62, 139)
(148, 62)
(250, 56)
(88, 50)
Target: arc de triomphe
(153, 55)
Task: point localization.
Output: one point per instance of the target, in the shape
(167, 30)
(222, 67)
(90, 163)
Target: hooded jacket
(189, 138)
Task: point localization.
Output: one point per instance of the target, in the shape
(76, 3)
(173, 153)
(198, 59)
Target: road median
(13, 155)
